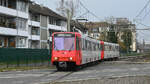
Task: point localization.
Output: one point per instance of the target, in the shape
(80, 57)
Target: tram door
(78, 50)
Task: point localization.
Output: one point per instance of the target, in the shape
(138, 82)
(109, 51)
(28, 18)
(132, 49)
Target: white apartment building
(28, 25)
(42, 23)
(13, 23)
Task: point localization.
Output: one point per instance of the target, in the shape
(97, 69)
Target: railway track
(131, 58)
(61, 77)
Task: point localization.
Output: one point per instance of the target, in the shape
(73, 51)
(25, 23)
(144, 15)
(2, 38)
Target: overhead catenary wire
(88, 11)
(146, 5)
(136, 19)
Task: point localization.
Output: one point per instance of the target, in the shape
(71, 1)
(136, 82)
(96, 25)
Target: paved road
(105, 69)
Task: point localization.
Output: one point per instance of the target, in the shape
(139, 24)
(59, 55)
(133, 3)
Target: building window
(8, 22)
(35, 31)
(21, 6)
(11, 4)
(1, 42)
(58, 22)
(8, 3)
(21, 24)
(4, 3)
(11, 42)
(35, 17)
(35, 45)
(52, 21)
(21, 42)
(7, 42)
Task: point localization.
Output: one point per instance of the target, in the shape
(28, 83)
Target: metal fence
(15, 57)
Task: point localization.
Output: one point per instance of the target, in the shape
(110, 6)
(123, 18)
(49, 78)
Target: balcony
(35, 37)
(14, 8)
(34, 23)
(35, 33)
(13, 12)
(12, 32)
(8, 31)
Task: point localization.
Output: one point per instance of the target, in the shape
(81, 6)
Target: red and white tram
(71, 49)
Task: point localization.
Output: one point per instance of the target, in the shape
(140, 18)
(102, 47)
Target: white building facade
(24, 26)
(14, 23)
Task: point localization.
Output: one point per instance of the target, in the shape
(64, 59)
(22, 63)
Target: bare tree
(67, 8)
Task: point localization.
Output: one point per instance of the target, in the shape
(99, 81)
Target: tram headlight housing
(71, 58)
(55, 58)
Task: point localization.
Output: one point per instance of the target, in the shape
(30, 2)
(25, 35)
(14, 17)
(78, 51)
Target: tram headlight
(70, 58)
(55, 58)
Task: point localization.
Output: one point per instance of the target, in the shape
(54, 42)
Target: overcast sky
(107, 8)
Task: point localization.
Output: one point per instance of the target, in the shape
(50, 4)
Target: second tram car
(71, 49)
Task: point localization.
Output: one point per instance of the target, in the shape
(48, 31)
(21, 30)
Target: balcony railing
(8, 25)
(35, 31)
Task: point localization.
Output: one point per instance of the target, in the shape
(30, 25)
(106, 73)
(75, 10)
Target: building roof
(36, 8)
(96, 24)
(33, 7)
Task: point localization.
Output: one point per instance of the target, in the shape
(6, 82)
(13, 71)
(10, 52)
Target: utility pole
(68, 21)
(143, 44)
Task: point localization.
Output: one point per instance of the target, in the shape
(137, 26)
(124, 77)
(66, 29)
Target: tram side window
(82, 44)
(97, 47)
(89, 45)
(118, 48)
(113, 48)
(86, 44)
(105, 46)
(93, 46)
